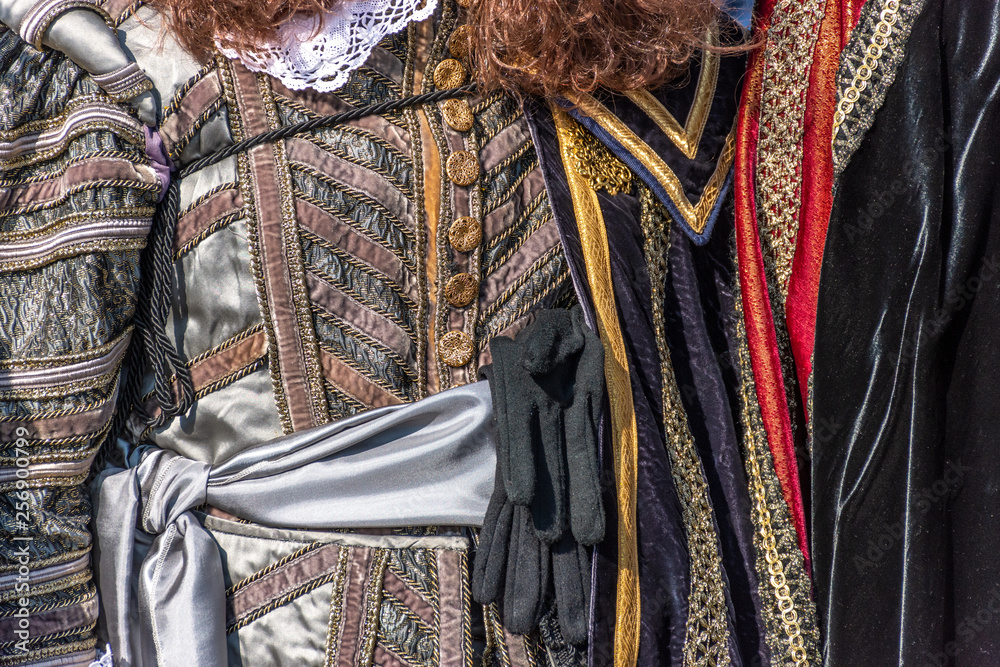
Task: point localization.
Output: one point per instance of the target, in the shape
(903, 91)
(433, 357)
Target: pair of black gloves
(548, 388)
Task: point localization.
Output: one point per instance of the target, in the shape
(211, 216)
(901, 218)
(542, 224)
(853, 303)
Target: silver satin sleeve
(426, 463)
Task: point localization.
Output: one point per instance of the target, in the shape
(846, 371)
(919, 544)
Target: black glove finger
(523, 595)
(551, 482)
(571, 576)
(550, 341)
(586, 510)
(490, 565)
(515, 411)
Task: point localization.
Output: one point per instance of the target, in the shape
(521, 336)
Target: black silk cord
(173, 389)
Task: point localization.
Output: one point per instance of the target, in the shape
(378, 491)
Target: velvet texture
(905, 490)
(697, 301)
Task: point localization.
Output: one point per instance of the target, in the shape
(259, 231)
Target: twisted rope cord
(158, 270)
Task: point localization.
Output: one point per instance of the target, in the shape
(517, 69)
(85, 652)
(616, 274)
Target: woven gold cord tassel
(594, 240)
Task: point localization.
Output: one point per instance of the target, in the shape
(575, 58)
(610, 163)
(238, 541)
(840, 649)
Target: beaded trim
(868, 67)
(40, 17)
(124, 83)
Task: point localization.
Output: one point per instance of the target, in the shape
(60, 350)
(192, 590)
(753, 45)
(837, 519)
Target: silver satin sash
(426, 463)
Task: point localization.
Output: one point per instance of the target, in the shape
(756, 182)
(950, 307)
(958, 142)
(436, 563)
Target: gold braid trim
(707, 638)
(624, 439)
(790, 627)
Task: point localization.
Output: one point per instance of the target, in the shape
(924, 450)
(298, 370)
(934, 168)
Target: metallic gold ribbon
(594, 241)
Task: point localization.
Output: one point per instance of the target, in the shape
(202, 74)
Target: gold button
(457, 114)
(464, 3)
(449, 74)
(462, 167)
(465, 234)
(461, 289)
(456, 348)
(460, 42)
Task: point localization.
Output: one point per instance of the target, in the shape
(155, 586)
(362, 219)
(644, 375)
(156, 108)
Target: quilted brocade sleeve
(77, 196)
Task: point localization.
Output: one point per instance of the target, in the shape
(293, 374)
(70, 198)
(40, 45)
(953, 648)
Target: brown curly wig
(552, 47)
(543, 47)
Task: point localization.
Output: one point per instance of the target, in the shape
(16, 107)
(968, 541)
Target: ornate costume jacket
(365, 265)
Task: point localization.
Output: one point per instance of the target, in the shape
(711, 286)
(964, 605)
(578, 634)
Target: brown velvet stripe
(516, 650)
(289, 349)
(386, 658)
(351, 176)
(341, 235)
(332, 300)
(354, 609)
(76, 176)
(115, 8)
(229, 360)
(197, 101)
(354, 383)
(453, 607)
(415, 602)
(291, 576)
(506, 214)
(498, 282)
(53, 621)
(67, 426)
(195, 222)
(221, 364)
(510, 139)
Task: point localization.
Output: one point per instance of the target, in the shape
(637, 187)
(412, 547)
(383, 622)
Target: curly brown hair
(554, 47)
(237, 24)
(543, 47)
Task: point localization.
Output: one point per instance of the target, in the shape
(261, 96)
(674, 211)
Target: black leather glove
(547, 387)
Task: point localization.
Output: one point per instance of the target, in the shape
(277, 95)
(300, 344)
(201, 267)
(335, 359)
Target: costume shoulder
(677, 140)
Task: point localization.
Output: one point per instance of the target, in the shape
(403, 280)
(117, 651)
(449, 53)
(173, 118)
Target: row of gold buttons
(465, 234)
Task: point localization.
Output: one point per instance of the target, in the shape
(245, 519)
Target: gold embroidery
(465, 234)
(458, 114)
(463, 168)
(686, 138)
(456, 348)
(461, 289)
(791, 40)
(707, 632)
(695, 215)
(449, 74)
(594, 241)
(596, 164)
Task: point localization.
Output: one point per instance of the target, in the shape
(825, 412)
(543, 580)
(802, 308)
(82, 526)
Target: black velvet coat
(906, 470)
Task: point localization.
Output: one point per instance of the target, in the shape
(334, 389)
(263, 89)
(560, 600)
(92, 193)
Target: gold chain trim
(707, 639)
(789, 614)
(876, 46)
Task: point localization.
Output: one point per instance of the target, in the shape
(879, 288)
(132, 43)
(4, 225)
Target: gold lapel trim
(694, 214)
(624, 435)
(686, 138)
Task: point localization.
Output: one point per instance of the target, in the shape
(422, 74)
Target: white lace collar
(322, 60)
